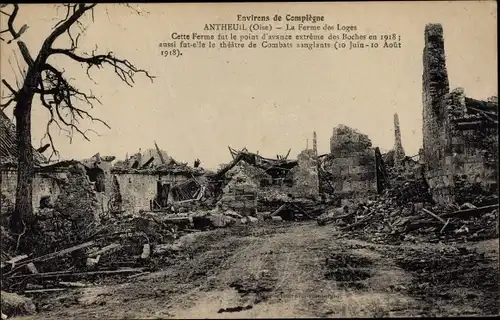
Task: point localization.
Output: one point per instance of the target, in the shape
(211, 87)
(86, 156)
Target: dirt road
(292, 270)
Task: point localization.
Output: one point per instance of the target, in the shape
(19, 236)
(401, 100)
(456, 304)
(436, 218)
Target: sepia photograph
(249, 160)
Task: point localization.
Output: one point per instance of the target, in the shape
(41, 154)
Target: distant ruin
(399, 153)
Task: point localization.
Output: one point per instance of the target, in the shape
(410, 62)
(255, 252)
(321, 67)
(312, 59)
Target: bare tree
(64, 102)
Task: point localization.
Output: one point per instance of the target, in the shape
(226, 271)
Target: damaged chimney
(435, 86)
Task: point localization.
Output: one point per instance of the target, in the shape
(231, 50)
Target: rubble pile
(7, 243)
(244, 177)
(384, 220)
(118, 247)
(474, 193)
(406, 212)
(406, 186)
(71, 219)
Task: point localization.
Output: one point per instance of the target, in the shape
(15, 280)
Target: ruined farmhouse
(459, 143)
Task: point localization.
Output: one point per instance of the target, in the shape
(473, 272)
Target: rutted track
(285, 270)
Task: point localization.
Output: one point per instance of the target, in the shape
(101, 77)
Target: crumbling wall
(460, 140)
(354, 175)
(44, 185)
(351, 164)
(138, 189)
(435, 87)
(305, 175)
(346, 140)
(77, 197)
(241, 192)
(74, 215)
(441, 184)
(436, 139)
(474, 142)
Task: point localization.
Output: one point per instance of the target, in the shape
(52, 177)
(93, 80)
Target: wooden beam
(71, 274)
(159, 154)
(434, 215)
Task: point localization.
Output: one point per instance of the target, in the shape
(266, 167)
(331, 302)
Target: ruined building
(250, 179)
(459, 133)
(399, 153)
(349, 170)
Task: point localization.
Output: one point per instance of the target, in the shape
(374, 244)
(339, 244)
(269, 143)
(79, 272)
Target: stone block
(16, 305)
(335, 170)
(341, 161)
(347, 186)
(338, 185)
(456, 140)
(353, 161)
(344, 170)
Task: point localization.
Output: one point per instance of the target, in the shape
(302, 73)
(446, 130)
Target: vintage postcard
(249, 160)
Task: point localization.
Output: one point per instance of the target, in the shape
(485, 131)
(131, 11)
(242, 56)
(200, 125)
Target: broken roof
(268, 164)
(185, 170)
(8, 143)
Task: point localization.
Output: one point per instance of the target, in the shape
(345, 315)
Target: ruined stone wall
(351, 165)
(436, 129)
(305, 176)
(242, 201)
(138, 189)
(44, 184)
(441, 184)
(241, 192)
(456, 143)
(77, 197)
(471, 161)
(353, 174)
(435, 87)
(474, 147)
(73, 216)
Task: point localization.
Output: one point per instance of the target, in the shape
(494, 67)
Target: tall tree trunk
(24, 193)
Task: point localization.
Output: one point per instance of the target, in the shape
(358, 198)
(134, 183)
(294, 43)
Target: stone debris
(13, 305)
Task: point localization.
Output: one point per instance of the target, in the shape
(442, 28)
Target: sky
(267, 100)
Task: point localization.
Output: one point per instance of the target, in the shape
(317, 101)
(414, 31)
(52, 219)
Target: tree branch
(14, 92)
(6, 104)
(78, 11)
(16, 34)
(59, 97)
(123, 68)
(12, 18)
(25, 53)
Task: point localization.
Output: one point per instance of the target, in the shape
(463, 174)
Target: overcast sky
(266, 100)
